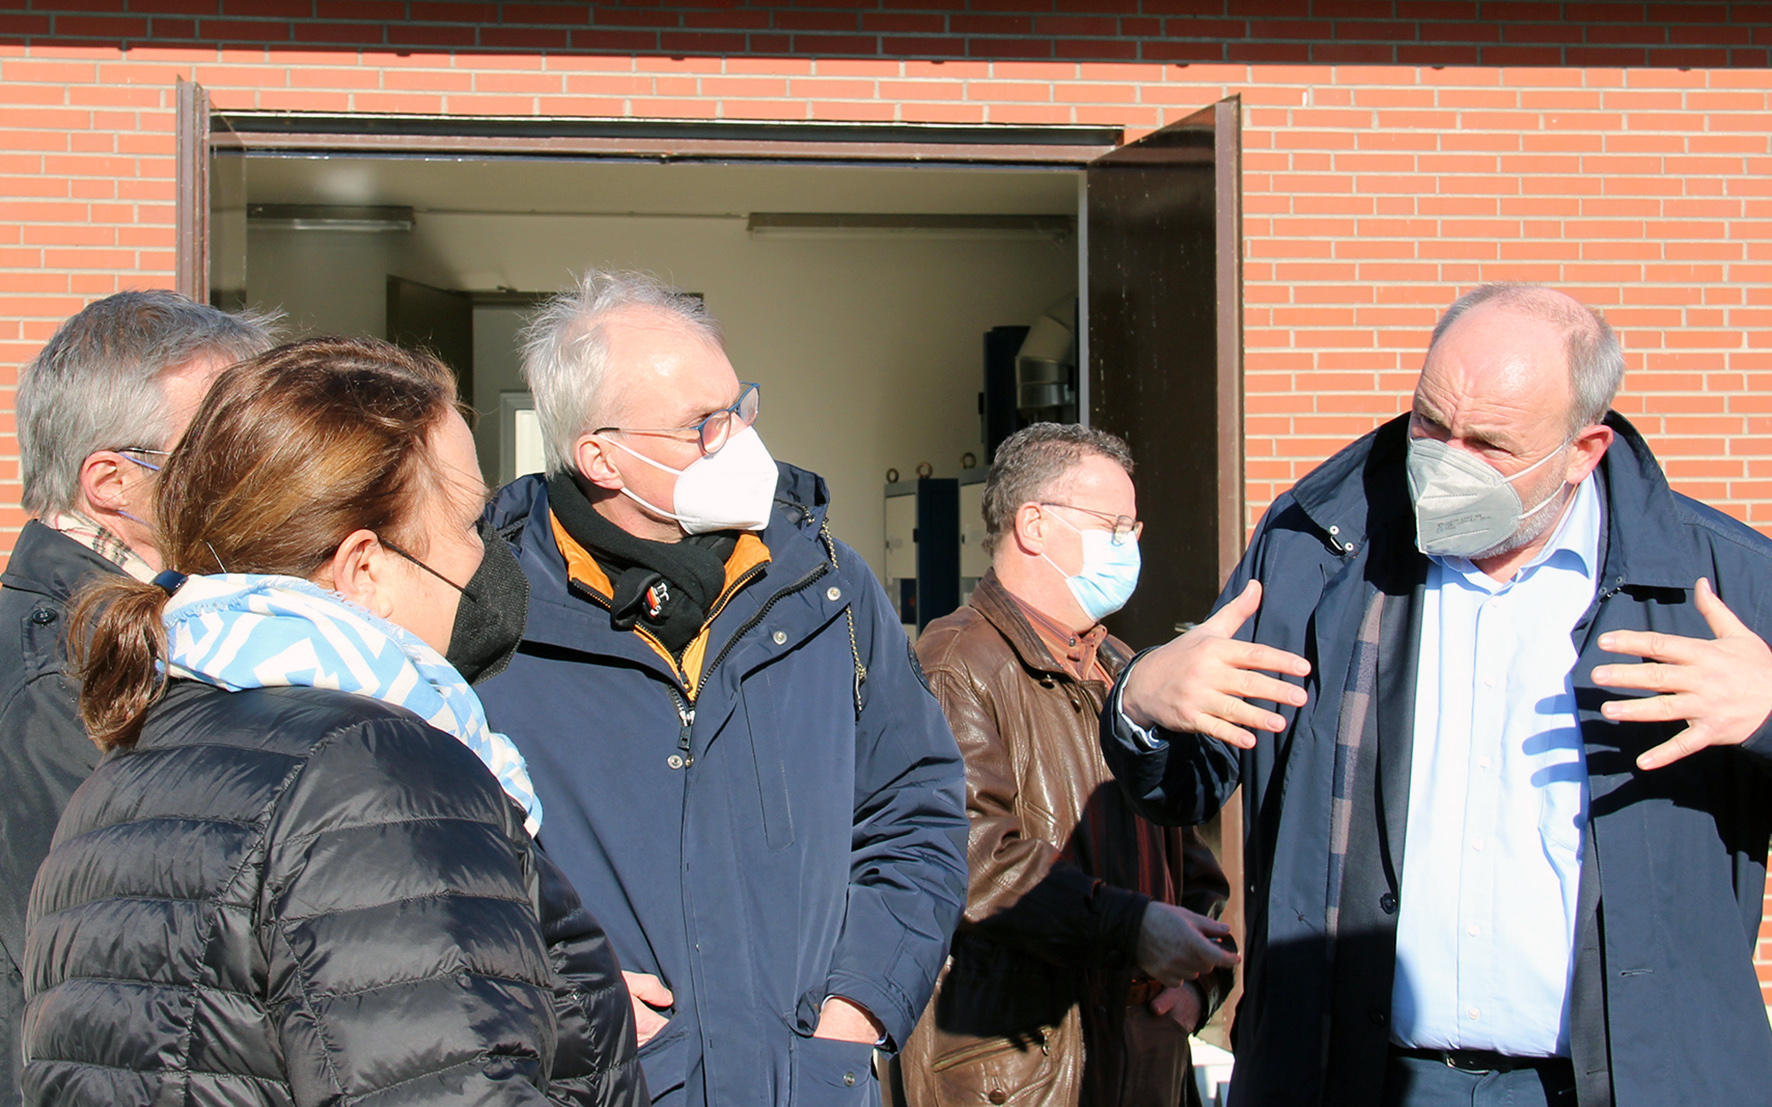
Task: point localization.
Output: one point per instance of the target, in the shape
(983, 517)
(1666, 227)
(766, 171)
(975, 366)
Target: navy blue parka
(1665, 1007)
(796, 830)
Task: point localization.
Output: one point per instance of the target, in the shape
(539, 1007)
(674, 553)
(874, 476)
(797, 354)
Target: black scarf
(666, 587)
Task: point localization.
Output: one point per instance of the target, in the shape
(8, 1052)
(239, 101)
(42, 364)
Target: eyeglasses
(713, 431)
(127, 451)
(1123, 526)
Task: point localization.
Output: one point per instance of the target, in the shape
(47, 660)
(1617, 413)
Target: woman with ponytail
(304, 872)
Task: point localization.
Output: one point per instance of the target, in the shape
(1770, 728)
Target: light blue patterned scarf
(245, 630)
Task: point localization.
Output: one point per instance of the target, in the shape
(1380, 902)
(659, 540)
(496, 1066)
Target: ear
(1030, 529)
(102, 484)
(591, 454)
(1590, 446)
(359, 571)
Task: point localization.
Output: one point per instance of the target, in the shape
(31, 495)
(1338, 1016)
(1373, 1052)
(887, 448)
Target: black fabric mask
(494, 608)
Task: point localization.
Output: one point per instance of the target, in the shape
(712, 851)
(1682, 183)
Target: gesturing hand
(1177, 945)
(1721, 689)
(1200, 681)
(647, 992)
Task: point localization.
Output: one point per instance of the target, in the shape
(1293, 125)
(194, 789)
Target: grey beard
(1530, 528)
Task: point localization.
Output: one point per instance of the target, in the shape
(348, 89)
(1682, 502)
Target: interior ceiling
(650, 188)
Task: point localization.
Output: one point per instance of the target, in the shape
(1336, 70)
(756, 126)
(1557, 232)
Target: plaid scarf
(89, 532)
(1352, 730)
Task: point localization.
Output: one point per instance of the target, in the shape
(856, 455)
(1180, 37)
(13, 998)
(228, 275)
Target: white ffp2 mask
(729, 490)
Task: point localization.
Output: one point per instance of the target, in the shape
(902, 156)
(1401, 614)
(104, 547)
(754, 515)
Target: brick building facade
(1394, 154)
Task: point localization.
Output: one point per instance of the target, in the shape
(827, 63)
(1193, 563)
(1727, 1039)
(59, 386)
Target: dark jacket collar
(1363, 492)
(520, 513)
(48, 562)
(1001, 610)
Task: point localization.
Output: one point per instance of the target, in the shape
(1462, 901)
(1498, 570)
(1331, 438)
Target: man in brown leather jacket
(1077, 974)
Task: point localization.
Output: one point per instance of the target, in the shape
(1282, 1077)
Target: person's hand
(1200, 682)
(647, 992)
(1721, 689)
(1181, 1005)
(1176, 945)
(847, 1021)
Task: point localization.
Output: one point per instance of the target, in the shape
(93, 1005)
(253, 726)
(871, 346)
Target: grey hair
(1596, 360)
(1031, 461)
(566, 351)
(97, 384)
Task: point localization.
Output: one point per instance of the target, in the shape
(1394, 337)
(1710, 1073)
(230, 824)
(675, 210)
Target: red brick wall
(1373, 193)
(1339, 32)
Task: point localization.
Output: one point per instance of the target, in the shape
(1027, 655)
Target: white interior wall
(868, 348)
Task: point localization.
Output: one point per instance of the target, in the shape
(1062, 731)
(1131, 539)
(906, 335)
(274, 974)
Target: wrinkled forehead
(1497, 358)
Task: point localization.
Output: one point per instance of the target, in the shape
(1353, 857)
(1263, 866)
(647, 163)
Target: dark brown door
(424, 318)
(1165, 354)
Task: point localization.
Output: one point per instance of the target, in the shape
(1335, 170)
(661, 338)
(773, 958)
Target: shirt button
(1489, 682)
(1477, 845)
(1475, 930)
(998, 1095)
(1474, 1014)
(1483, 762)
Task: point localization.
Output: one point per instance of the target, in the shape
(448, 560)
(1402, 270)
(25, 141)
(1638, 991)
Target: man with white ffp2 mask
(745, 776)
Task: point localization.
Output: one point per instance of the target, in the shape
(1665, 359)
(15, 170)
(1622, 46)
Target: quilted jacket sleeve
(597, 1063)
(404, 958)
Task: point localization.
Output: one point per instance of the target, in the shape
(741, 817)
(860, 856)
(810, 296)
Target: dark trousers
(1416, 1082)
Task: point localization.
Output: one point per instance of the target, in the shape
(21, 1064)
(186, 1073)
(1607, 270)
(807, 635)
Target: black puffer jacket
(296, 896)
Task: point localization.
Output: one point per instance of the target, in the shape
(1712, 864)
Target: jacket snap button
(780, 636)
(848, 1077)
(1388, 903)
(42, 616)
(998, 1095)
(833, 594)
(675, 761)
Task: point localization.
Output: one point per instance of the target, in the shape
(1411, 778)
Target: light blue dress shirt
(1497, 803)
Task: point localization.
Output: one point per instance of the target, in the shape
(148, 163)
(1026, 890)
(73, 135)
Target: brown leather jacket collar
(994, 602)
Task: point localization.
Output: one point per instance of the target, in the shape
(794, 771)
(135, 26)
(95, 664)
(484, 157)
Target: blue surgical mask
(1109, 575)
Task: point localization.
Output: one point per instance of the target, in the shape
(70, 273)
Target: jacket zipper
(757, 617)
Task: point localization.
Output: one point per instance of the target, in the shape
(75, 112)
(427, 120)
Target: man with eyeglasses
(97, 409)
(745, 776)
(1089, 950)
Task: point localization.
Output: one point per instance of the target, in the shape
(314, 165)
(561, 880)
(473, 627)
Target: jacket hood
(1632, 484)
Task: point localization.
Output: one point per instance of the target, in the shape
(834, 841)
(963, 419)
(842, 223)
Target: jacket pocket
(770, 765)
(994, 1070)
(665, 1060)
(827, 1071)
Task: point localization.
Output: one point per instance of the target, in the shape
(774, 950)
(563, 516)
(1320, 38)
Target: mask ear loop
(218, 560)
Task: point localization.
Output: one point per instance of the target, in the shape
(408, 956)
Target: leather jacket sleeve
(1022, 893)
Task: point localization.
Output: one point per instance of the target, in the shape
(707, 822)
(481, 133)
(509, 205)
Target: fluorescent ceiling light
(361, 218)
(816, 224)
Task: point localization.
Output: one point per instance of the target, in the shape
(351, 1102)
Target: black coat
(44, 751)
(1664, 1004)
(298, 896)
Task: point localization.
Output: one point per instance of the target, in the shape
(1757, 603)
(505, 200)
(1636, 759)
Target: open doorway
(857, 269)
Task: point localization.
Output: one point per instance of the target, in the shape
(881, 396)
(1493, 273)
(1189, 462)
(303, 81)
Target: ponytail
(117, 640)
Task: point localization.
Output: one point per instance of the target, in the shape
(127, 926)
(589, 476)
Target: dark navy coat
(803, 836)
(1665, 1007)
